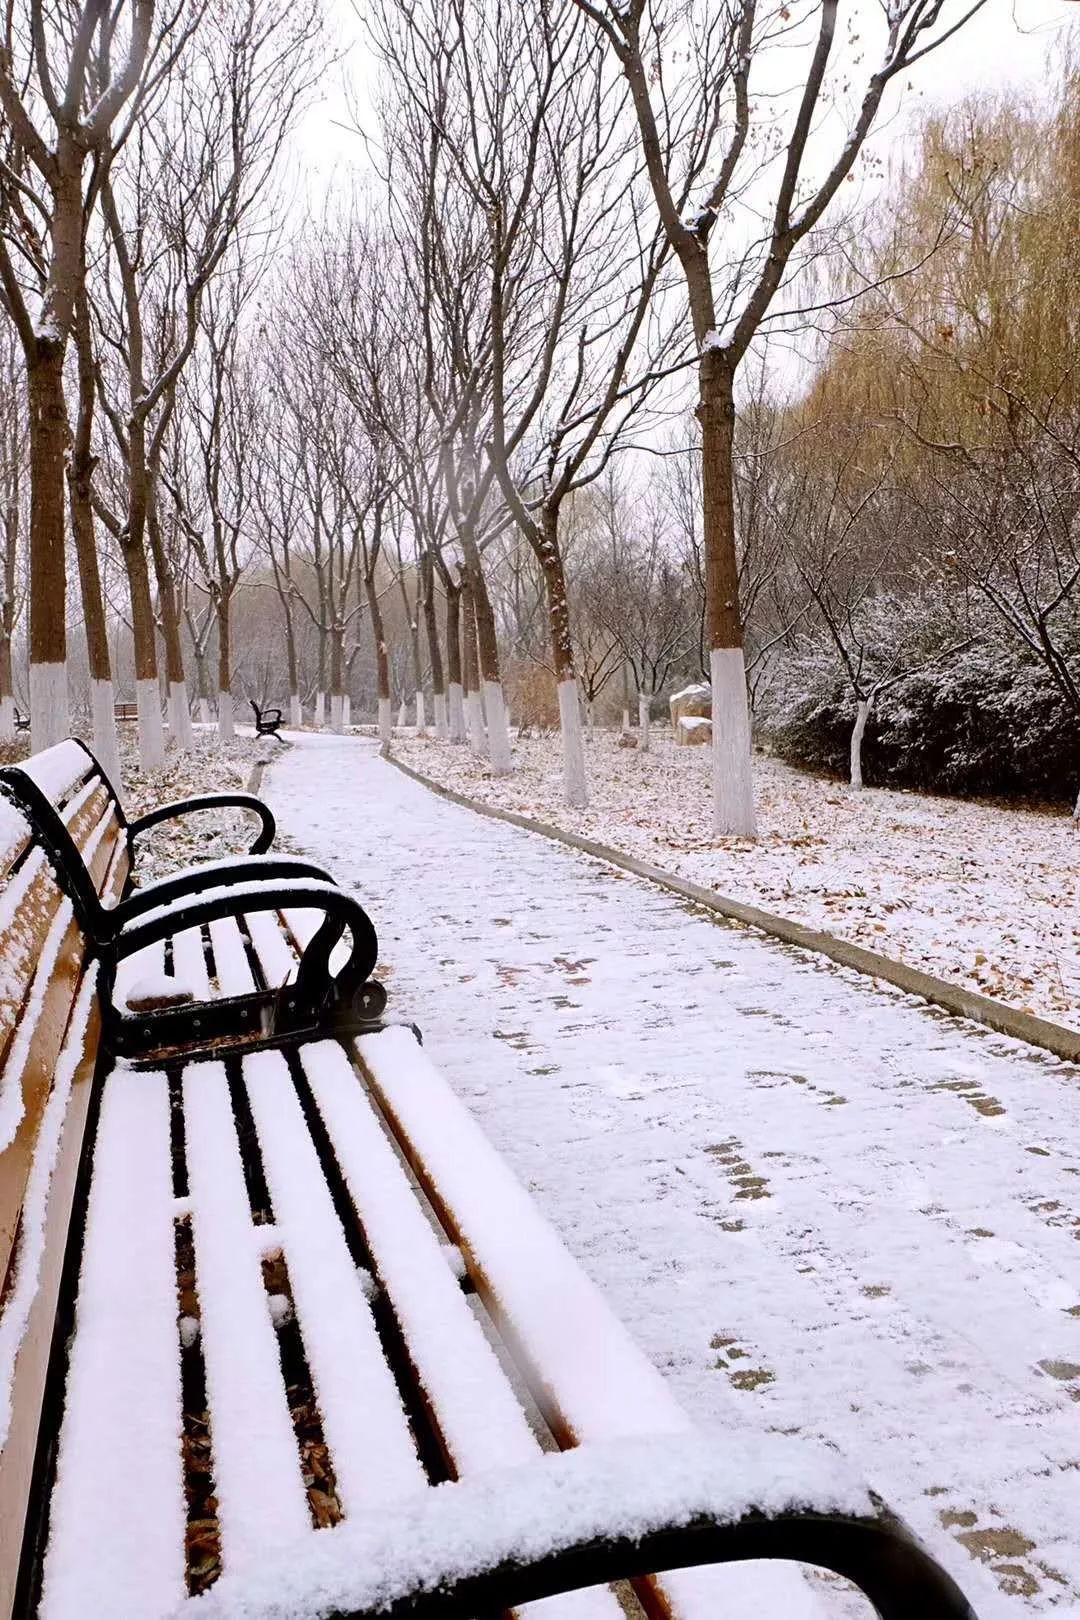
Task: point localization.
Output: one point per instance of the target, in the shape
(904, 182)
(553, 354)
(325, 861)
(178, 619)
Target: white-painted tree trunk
(226, 720)
(421, 713)
(205, 716)
(49, 716)
(319, 718)
(386, 724)
(498, 724)
(151, 729)
(180, 716)
(590, 721)
(346, 710)
(643, 721)
(337, 712)
(442, 728)
(402, 714)
(573, 745)
(625, 721)
(457, 712)
(733, 786)
(474, 719)
(858, 730)
(296, 713)
(103, 725)
(7, 719)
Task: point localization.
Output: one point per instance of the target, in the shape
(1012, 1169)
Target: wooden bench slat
(277, 958)
(261, 1500)
(374, 1457)
(26, 1327)
(119, 1439)
(479, 1418)
(546, 1308)
(149, 964)
(189, 962)
(232, 969)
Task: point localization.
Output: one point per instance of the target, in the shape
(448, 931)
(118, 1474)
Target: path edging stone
(953, 998)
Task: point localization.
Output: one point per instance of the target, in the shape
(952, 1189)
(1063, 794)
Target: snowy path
(818, 1209)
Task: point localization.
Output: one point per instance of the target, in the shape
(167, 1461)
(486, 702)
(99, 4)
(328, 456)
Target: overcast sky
(1005, 45)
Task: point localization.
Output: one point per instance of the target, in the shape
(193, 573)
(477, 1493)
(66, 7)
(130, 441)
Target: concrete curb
(953, 998)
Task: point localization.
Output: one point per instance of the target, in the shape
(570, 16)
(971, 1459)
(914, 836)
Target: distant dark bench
(125, 711)
(232, 1243)
(267, 722)
(22, 721)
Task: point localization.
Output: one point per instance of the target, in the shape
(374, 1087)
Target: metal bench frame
(267, 722)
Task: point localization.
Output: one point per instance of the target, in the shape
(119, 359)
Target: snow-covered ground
(821, 1210)
(984, 895)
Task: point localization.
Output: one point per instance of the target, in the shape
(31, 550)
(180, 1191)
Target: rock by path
(818, 1208)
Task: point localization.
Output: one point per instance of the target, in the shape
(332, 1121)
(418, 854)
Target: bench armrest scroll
(212, 801)
(315, 996)
(194, 879)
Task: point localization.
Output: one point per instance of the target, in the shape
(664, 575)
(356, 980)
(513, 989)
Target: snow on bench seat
(231, 965)
(375, 1460)
(189, 962)
(120, 1437)
(479, 1418)
(275, 1149)
(276, 957)
(589, 1379)
(260, 1490)
(624, 1490)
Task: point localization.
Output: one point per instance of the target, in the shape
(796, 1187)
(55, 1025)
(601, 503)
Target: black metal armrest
(213, 875)
(315, 1002)
(897, 1576)
(582, 1519)
(212, 801)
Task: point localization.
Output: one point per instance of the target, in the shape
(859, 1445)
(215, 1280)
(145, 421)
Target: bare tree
(69, 78)
(713, 144)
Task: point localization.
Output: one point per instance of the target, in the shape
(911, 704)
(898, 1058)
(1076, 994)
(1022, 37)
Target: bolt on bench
(266, 1283)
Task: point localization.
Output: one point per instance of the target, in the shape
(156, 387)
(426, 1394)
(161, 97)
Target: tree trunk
(79, 475)
(202, 675)
(382, 661)
(573, 745)
(733, 792)
(643, 721)
(225, 718)
(320, 687)
(7, 691)
(48, 425)
(296, 715)
(147, 697)
(438, 683)
(175, 675)
(337, 706)
(474, 713)
(862, 714)
(454, 692)
(498, 729)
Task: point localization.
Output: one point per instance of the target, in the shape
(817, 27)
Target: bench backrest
(49, 1029)
(75, 812)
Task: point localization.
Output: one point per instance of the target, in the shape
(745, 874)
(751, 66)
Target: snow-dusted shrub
(986, 721)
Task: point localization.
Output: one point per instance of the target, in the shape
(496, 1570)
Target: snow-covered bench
(266, 1286)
